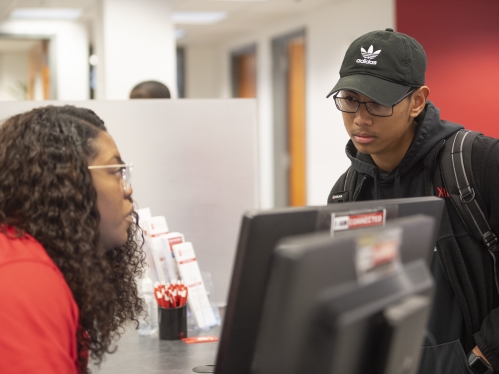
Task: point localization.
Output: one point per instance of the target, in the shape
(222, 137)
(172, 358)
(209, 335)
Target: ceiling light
(46, 13)
(191, 18)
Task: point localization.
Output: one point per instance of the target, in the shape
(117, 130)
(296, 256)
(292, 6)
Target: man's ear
(418, 100)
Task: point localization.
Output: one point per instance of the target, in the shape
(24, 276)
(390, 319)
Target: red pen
(171, 295)
(159, 298)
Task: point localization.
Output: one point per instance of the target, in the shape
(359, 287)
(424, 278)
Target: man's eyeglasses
(125, 169)
(349, 104)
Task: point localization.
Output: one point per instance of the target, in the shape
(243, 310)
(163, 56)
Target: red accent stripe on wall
(461, 40)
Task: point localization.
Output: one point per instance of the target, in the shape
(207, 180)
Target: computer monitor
(322, 315)
(259, 234)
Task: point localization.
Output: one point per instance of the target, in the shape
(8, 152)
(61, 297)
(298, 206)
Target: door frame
(280, 67)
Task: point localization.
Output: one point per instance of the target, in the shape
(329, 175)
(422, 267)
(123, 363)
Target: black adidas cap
(382, 65)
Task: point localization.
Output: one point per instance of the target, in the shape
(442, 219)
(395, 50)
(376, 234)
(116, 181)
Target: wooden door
(38, 87)
(246, 77)
(296, 123)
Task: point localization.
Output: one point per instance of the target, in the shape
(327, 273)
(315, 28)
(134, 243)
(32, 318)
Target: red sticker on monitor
(357, 220)
(378, 254)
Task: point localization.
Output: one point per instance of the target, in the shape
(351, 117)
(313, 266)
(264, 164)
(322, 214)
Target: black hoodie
(464, 312)
(406, 180)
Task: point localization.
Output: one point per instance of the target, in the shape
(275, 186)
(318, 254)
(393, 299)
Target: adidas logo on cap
(368, 55)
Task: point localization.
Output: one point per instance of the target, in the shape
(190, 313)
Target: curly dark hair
(46, 190)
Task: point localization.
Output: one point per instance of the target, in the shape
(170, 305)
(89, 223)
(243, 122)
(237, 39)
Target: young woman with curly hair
(69, 243)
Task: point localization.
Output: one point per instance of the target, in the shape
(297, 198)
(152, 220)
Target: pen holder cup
(172, 323)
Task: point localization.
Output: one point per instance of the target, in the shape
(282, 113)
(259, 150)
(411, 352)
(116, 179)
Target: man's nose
(363, 117)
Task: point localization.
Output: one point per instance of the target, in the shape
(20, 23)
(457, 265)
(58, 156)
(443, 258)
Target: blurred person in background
(70, 248)
(150, 90)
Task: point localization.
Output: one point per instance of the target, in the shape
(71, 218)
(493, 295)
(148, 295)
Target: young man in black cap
(396, 135)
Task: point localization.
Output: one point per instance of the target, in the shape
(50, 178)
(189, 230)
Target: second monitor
(355, 303)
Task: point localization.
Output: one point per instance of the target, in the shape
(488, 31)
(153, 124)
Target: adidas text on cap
(383, 65)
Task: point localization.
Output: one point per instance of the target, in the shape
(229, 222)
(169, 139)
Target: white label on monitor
(378, 254)
(341, 222)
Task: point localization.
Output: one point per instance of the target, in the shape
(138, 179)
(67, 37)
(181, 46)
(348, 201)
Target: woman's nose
(128, 191)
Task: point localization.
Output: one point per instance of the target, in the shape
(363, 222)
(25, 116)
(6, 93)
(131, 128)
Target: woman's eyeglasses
(126, 172)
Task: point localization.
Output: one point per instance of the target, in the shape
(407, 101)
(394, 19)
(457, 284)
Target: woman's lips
(129, 217)
(363, 138)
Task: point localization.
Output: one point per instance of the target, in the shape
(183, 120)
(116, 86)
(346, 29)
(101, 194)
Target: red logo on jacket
(442, 192)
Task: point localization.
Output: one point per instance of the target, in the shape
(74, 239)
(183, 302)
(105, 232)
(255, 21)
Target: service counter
(149, 355)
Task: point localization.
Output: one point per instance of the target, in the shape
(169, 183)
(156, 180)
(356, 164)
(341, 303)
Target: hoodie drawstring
(396, 186)
(375, 184)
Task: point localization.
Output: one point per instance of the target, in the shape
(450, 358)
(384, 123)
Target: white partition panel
(195, 162)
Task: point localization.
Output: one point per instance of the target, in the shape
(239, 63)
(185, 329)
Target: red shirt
(38, 314)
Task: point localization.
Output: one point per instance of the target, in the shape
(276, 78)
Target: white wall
(13, 75)
(204, 78)
(97, 40)
(70, 53)
(329, 31)
(201, 178)
(138, 45)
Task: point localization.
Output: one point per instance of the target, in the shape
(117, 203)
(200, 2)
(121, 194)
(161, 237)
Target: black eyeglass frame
(410, 92)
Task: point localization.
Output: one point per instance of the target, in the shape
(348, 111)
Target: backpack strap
(343, 190)
(457, 174)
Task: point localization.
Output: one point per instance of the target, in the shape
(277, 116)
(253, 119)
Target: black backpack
(457, 175)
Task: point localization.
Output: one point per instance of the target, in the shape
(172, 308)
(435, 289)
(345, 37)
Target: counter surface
(148, 354)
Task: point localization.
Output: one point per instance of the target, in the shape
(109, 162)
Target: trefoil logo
(369, 56)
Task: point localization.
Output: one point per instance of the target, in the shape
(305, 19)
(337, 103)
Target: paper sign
(191, 276)
(173, 239)
(164, 263)
(156, 226)
(378, 255)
